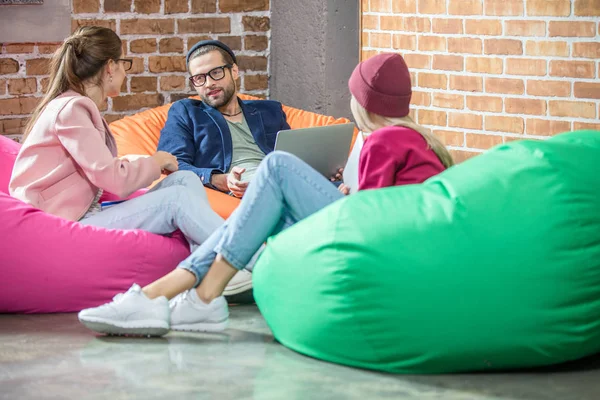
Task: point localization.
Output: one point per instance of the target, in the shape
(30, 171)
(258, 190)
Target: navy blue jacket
(199, 137)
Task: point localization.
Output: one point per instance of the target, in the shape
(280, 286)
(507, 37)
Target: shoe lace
(180, 298)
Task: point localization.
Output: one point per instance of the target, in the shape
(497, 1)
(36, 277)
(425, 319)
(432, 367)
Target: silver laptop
(325, 148)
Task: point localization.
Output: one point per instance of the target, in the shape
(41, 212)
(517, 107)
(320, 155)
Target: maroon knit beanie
(382, 85)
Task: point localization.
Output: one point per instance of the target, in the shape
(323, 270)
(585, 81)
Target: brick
(370, 22)
(432, 7)
(448, 63)
(256, 42)
(582, 90)
(252, 63)
(481, 141)
(380, 5)
(501, 85)
(256, 82)
(571, 29)
(450, 138)
(483, 27)
(464, 45)
(465, 120)
(18, 48)
(503, 46)
(484, 103)
(166, 64)
(503, 7)
(204, 25)
(110, 118)
(171, 45)
(525, 66)
(44, 84)
(8, 66)
(432, 43)
(525, 28)
(486, 65)
(585, 126)
(448, 100)
(137, 101)
(504, 124)
(408, 24)
(234, 6)
(380, 40)
(137, 67)
(460, 156)
(549, 88)
(434, 81)
(432, 117)
(404, 42)
(13, 126)
(256, 24)
(105, 23)
(177, 6)
(466, 83)
(123, 88)
(551, 8)
(143, 46)
(587, 8)
(418, 61)
(403, 6)
(547, 48)
(234, 42)
(22, 86)
(117, 6)
(147, 6)
(178, 96)
(545, 127)
(465, 7)
(574, 69)
(586, 50)
(195, 39)
(2, 87)
(173, 82)
(443, 25)
(561, 108)
(525, 106)
(86, 6)
(147, 26)
(38, 66)
(420, 98)
(18, 106)
(143, 84)
(48, 48)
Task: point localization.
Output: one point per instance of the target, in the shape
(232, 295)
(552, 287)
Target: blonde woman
(69, 156)
(286, 190)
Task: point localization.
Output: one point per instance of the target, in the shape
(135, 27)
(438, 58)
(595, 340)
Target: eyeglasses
(127, 63)
(216, 74)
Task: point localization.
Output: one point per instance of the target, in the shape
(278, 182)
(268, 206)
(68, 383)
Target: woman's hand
(337, 176)
(166, 161)
(345, 190)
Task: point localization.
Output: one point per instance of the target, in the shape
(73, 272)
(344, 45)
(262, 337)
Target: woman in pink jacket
(284, 191)
(69, 156)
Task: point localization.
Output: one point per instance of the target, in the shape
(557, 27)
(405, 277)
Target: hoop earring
(110, 78)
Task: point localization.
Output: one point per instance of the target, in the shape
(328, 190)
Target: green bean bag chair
(493, 264)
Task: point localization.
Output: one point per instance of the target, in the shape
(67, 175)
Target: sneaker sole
(239, 288)
(201, 327)
(246, 297)
(134, 328)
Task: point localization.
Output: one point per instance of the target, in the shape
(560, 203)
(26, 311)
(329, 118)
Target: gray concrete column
(314, 48)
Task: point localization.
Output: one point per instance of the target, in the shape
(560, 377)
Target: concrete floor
(54, 357)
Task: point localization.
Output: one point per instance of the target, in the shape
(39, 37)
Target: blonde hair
(80, 58)
(369, 122)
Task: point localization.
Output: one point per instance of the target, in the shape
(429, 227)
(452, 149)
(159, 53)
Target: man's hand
(345, 190)
(231, 182)
(234, 182)
(337, 176)
(166, 161)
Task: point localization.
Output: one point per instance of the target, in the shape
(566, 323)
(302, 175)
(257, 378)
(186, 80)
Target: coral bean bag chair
(493, 264)
(49, 264)
(139, 134)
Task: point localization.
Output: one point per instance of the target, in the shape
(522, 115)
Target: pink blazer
(68, 155)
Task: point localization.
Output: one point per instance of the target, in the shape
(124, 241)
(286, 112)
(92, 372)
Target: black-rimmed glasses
(127, 63)
(216, 74)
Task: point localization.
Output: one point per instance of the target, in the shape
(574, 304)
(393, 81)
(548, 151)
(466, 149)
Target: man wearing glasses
(221, 138)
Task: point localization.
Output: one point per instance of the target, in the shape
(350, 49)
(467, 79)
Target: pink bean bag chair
(48, 264)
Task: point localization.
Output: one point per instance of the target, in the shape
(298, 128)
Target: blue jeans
(178, 202)
(284, 190)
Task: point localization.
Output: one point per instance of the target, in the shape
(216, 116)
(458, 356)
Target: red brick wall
(490, 71)
(158, 33)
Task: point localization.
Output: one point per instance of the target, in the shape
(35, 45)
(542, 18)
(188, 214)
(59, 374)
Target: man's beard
(228, 93)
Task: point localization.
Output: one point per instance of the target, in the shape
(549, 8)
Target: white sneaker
(241, 282)
(189, 313)
(130, 313)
